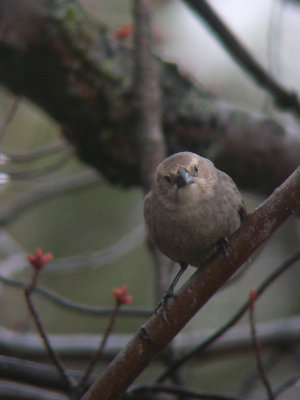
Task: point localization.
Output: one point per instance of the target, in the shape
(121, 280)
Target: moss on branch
(81, 75)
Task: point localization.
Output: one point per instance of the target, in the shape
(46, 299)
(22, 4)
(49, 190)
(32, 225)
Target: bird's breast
(188, 231)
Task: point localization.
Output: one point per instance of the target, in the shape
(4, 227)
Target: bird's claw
(222, 244)
(162, 304)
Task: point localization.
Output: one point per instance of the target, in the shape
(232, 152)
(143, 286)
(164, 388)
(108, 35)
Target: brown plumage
(192, 206)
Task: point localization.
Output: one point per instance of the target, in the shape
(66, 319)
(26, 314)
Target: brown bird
(191, 210)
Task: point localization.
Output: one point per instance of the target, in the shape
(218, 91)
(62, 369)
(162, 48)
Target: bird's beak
(184, 178)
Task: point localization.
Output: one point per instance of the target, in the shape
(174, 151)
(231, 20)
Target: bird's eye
(196, 168)
(167, 178)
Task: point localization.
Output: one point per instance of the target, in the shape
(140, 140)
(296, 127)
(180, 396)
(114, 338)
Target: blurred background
(94, 216)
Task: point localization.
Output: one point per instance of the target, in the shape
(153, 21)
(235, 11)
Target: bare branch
(154, 336)
(45, 376)
(75, 307)
(100, 349)
(30, 174)
(287, 384)
(11, 113)
(91, 95)
(218, 334)
(283, 98)
(53, 355)
(116, 250)
(257, 348)
(17, 256)
(13, 391)
(178, 390)
(43, 191)
(150, 141)
(35, 154)
(283, 332)
(33, 373)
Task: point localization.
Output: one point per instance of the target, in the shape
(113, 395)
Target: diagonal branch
(155, 334)
(231, 322)
(43, 334)
(283, 98)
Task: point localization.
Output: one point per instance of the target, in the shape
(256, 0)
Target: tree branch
(173, 389)
(33, 373)
(44, 191)
(153, 336)
(283, 332)
(80, 75)
(13, 391)
(218, 334)
(147, 101)
(283, 98)
(257, 348)
(62, 302)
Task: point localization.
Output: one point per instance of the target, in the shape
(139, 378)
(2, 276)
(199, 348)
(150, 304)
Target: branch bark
(150, 142)
(155, 334)
(77, 72)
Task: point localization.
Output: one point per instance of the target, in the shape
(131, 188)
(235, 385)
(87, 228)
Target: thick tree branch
(80, 75)
(155, 334)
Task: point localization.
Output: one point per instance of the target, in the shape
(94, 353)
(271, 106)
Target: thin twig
(52, 354)
(14, 390)
(9, 117)
(44, 190)
(93, 259)
(256, 345)
(35, 373)
(232, 321)
(71, 306)
(111, 253)
(38, 172)
(275, 358)
(98, 354)
(283, 98)
(286, 385)
(173, 389)
(36, 154)
(274, 36)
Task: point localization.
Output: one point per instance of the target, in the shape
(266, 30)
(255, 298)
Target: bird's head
(181, 176)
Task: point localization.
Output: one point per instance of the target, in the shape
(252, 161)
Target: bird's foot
(170, 292)
(163, 303)
(222, 244)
